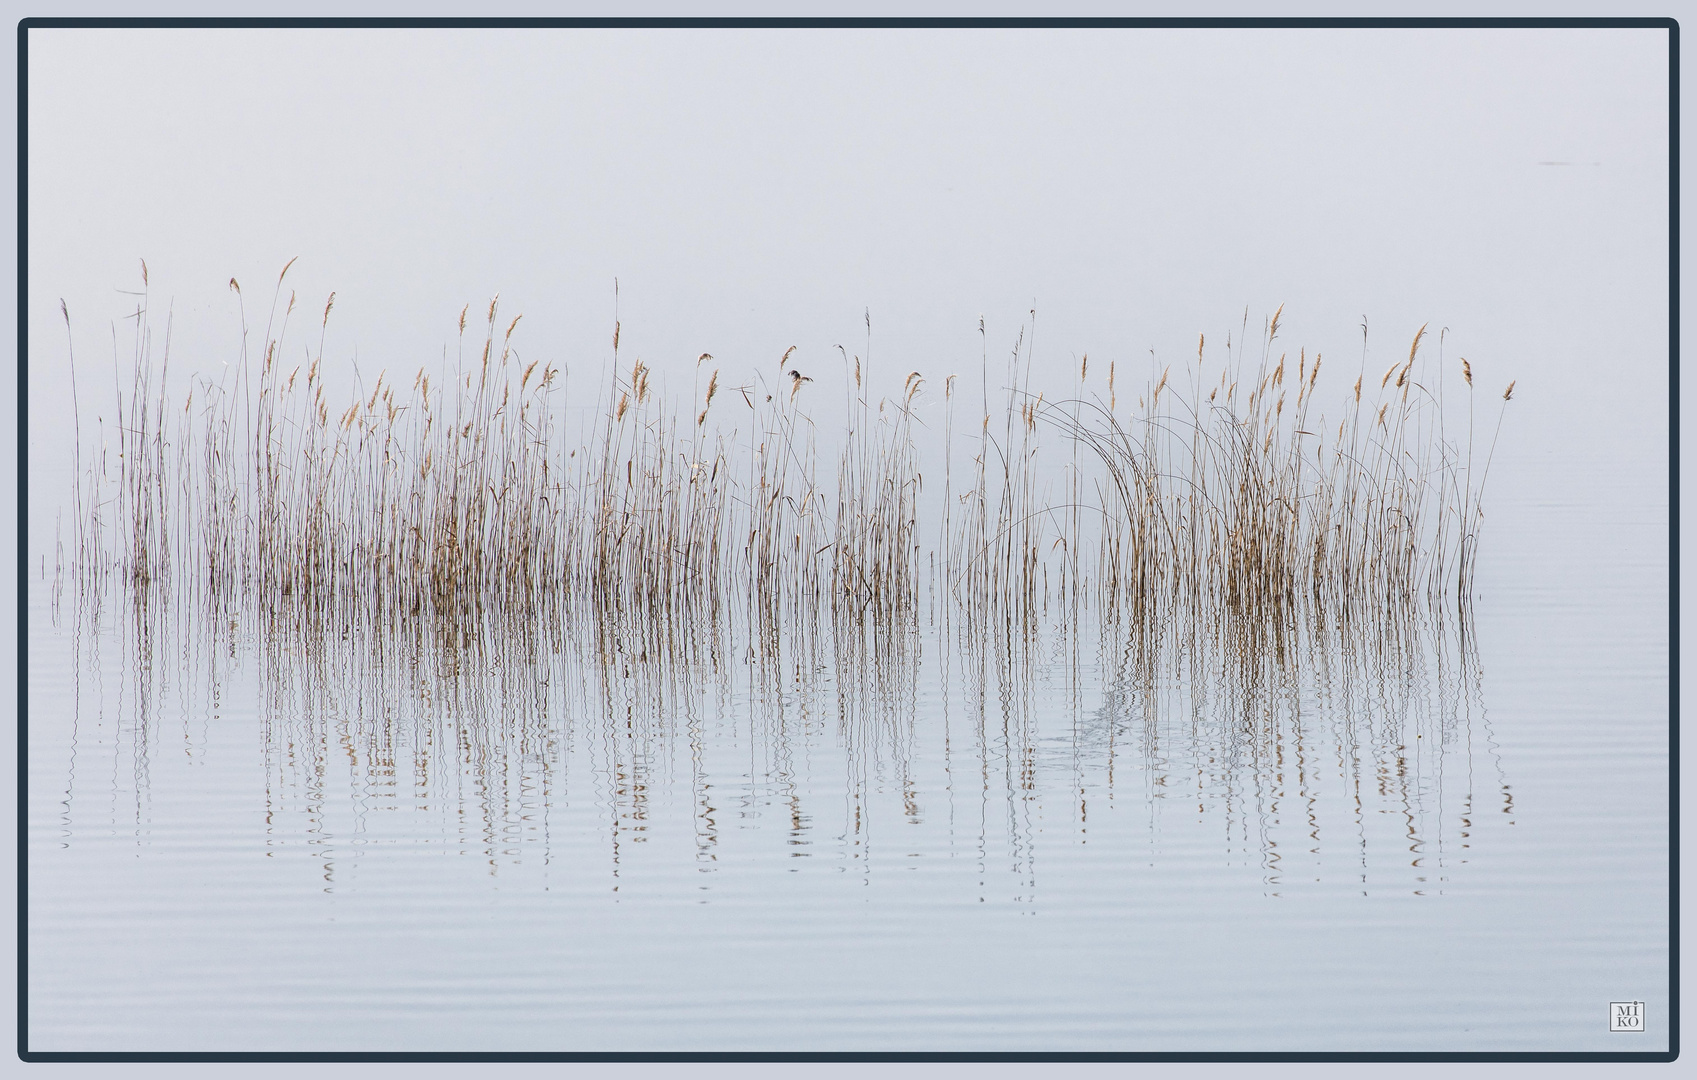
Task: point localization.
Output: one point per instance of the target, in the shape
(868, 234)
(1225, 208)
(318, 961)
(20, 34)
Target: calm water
(251, 840)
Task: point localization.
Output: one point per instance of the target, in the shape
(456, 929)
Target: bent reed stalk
(1207, 496)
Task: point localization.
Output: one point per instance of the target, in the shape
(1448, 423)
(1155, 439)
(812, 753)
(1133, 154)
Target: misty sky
(753, 190)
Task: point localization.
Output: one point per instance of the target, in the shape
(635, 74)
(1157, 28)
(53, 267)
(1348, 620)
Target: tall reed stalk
(1226, 493)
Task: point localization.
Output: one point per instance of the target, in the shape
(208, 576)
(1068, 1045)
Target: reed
(1208, 494)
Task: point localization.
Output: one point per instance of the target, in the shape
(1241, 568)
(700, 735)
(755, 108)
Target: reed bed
(1213, 492)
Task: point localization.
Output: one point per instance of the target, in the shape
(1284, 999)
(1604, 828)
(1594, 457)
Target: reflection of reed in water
(1295, 749)
(1290, 730)
(450, 586)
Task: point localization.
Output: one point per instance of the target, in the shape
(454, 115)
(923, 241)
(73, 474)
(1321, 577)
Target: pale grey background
(754, 190)
(1135, 202)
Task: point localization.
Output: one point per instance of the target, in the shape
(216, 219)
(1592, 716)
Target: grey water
(241, 840)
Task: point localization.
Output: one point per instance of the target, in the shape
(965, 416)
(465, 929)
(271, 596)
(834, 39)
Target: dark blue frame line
(1674, 515)
(23, 540)
(1673, 540)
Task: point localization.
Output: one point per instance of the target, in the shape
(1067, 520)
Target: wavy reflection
(602, 748)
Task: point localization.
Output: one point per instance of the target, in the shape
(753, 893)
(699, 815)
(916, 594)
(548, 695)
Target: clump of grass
(1208, 491)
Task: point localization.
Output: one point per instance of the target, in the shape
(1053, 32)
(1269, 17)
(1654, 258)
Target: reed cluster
(1207, 490)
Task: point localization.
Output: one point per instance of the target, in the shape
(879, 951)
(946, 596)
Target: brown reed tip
(1414, 346)
(1509, 393)
(1466, 371)
(462, 317)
